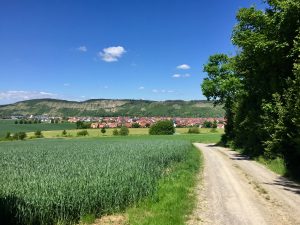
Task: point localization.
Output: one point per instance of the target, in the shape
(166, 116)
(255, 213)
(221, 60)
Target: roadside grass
(175, 198)
(276, 165)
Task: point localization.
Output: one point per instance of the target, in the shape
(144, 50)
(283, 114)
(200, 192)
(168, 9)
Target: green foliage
(82, 133)
(174, 199)
(260, 85)
(64, 133)
(207, 124)
(83, 125)
(163, 127)
(38, 134)
(47, 181)
(103, 130)
(277, 164)
(194, 130)
(19, 136)
(136, 125)
(115, 132)
(124, 131)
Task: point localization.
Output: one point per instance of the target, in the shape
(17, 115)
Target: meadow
(10, 126)
(109, 132)
(58, 181)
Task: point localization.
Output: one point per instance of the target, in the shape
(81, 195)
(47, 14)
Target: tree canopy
(259, 87)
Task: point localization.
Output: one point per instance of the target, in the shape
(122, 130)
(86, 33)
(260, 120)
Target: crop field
(56, 181)
(10, 126)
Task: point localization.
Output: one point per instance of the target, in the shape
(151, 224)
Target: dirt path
(236, 190)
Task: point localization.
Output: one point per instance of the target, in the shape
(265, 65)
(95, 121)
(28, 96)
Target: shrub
(19, 136)
(103, 130)
(194, 130)
(115, 132)
(124, 131)
(163, 127)
(136, 125)
(38, 134)
(64, 133)
(82, 133)
(207, 124)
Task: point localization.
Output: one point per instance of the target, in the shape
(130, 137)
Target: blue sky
(77, 50)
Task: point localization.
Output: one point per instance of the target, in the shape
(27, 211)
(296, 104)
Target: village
(143, 122)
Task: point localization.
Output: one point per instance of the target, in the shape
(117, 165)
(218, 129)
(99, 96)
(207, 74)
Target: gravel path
(236, 190)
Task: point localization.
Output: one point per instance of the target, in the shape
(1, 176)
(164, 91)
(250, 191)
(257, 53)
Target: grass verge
(175, 197)
(276, 165)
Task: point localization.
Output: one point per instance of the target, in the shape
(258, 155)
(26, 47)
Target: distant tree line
(27, 121)
(259, 87)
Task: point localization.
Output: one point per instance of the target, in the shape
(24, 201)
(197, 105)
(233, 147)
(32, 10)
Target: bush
(124, 131)
(136, 125)
(115, 132)
(19, 136)
(194, 130)
(38, 134)
(163, 127)
(83, 125)
(103, 130)
(82, 133)
(207, 124)
(64, 133)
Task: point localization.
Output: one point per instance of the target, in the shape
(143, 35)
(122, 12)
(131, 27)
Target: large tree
(264, 102)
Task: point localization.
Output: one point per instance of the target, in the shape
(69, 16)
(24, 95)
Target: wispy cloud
(183, 67)
(82, 48)
(162, 91)
(186, 75)
(105, 87)
(66, 84)
(13, 96)
(112, 54)
(141, 88)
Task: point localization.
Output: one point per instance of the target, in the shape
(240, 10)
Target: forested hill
(113, 107)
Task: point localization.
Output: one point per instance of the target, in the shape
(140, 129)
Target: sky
(119, 49)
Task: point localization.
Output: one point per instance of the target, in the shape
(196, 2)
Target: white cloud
(106, 87)
(183, 67)
(112, 54)
(82, 48)
(13, 96)
(186, 75)
(176, 75)
(141, 88)
(66, 84)
(162, 91)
